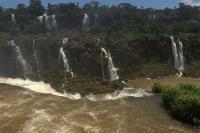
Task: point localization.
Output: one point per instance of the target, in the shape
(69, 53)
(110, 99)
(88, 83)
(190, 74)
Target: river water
(25, 111)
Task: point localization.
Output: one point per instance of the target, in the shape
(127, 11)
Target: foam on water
(38, 118)
(126, 92)
(39, 87)
(44, 88)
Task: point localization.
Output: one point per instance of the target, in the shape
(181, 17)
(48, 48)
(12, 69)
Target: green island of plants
(183, 101)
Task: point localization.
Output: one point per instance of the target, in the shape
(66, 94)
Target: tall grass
(183, 101)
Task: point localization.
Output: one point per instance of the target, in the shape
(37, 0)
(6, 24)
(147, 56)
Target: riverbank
(148, 83)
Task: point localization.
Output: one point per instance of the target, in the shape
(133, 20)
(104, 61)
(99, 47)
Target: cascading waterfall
(98, 41)
(13, 18)
(181, 57)
(65, 41)
(86, 22)
(36, 56)
(50, 21)
(111, 68)
(46, 18)
(47, 21)
(175, 52)
(26, 67)
(54, 22)
(40, 18)
(65, 59)
(178, 55)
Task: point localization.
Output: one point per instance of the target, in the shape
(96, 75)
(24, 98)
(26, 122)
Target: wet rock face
(8, 62)
(83, 59)
(140, 57)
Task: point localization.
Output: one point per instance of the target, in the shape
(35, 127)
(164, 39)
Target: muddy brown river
(25, 111)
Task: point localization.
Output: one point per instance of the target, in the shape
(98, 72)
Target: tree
(35, 8)
(21, 9)
(52, 8)
(185, 11)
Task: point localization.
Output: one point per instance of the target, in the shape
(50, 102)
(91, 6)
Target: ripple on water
(40, 121)
(120, 94)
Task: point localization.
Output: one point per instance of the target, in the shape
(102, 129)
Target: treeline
(116, 19)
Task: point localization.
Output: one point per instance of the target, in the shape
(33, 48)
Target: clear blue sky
(139, 3)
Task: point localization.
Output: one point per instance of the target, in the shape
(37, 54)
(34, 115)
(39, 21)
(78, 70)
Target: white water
(126, 92)
(50, 21)
(46, 18)
(178, 55)
(65, 60)
(36, 55)
(40, 18)
(13, 18)
(44, 88)
(112, 69)
(64, 57)
(65, 41)
(181, 57)
(98, 41)
(39, 87)
(47, 21)
(54, 22)
(86, 22)
(26, 67)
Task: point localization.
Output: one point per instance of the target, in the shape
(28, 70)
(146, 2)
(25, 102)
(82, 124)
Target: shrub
(158, 88)
(184, 102)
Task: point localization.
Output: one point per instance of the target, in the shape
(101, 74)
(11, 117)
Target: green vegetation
(183, 101)
(109, 20)
(157, 87)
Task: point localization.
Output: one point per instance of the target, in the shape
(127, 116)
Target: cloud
(190, 2)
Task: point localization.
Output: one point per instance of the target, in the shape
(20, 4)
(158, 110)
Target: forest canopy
(117, 19)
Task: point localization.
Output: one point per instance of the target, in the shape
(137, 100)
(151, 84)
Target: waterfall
(65, 59)
(26, 67)
(47, 21)
(50, 21)
(175, 52)
(98, 41)
(65, 41)
(46, 18)
(36, 55)
(13, 18)
(178, 55)
(86, 22)
(40, 18)
(112, 70)
(181, 57)
(54, 23)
